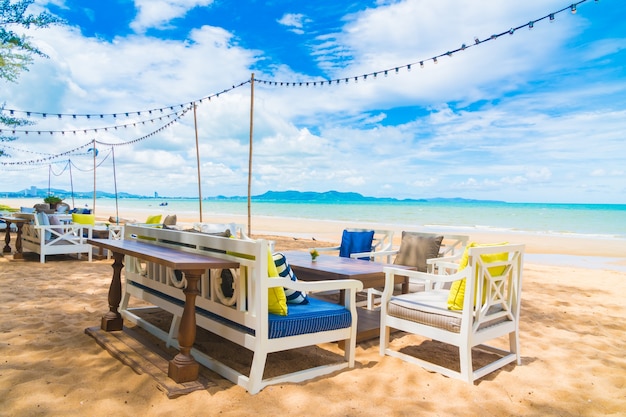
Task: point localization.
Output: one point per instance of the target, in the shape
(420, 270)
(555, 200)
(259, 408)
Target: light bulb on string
(551, 17)
(435, 60)
(421, 64)
(531, 24)
(573, 9)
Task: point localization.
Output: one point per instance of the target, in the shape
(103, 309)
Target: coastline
(546, 248)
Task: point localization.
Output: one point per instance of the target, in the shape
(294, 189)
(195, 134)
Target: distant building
(156, 195)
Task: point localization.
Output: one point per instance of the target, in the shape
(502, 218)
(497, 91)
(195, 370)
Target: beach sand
(572, 341)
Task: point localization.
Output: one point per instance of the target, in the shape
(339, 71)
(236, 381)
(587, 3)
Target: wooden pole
(93, 210)
(250, 153)
(195, 122)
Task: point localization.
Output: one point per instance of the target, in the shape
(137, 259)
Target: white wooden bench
(61, 239)
(241, 317)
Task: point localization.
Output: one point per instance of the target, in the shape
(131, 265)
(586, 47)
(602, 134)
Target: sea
(588, 220)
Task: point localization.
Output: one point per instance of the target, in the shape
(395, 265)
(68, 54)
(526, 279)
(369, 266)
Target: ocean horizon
(592, 220)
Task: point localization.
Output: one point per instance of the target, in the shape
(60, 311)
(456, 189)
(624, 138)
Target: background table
(18, 238)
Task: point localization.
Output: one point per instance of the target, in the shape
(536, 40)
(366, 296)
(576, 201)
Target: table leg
(18, 242)
(184, 368)
(112, 320)
(7, 238)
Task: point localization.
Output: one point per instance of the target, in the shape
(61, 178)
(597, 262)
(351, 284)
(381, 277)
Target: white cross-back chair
(495, 284)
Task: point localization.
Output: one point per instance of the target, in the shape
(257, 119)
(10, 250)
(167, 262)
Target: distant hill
(315, 196)
(291, 195)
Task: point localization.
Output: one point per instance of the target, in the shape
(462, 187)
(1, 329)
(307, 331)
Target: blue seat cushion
(316, 316)
(356, 242)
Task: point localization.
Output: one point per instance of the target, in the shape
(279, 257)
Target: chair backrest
(494, 284)
(453, 245)
(381, 240)
(356, 241)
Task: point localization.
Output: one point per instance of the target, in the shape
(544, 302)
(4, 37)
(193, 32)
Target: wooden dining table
(328, 267)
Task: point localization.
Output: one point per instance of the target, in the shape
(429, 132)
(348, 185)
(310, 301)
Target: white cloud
(158, 13)
(294, 21)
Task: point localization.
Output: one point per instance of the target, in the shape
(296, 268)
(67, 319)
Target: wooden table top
(329, 267)
(12, 219)
(172, 258)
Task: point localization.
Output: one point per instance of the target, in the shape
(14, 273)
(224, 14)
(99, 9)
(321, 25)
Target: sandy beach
(572, 340)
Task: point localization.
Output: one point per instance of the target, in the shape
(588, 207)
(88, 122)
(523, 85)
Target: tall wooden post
(95, 152)
(195, 122)
(250, 152)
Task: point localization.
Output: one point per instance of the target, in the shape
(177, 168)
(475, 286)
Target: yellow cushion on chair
(84, 218)
(457, 289)
(276, 298)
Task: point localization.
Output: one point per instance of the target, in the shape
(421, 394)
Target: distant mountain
(291, 195)
(315, 196)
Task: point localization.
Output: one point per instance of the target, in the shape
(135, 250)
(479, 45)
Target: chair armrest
(443, 264)
(387, 253)
(417, 276)
(327, 249)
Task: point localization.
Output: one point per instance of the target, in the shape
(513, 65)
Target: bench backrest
(240, 302)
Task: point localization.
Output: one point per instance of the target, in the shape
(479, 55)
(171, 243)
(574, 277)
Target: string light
(114, 115)
(477, 41)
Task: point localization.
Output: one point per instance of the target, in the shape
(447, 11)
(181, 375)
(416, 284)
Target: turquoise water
(601, 220)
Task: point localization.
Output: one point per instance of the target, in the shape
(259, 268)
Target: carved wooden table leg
(184, 368)
(112, 320)
(7, 238)
(18, 241)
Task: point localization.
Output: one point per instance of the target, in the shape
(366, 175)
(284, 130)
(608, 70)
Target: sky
(338, 97)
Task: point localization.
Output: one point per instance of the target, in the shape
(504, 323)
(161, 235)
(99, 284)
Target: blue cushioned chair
(361, 241)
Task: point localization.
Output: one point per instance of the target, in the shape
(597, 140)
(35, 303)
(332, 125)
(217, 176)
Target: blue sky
(538, 115)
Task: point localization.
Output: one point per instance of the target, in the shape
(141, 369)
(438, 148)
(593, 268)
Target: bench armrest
(316, 286)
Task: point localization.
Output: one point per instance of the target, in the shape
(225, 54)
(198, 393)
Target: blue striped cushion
(284, 270)
(316, 316)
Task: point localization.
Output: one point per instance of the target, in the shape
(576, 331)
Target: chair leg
(514, 346)
(465, 356)
(173, 330)
(256, 372)
(384, 338)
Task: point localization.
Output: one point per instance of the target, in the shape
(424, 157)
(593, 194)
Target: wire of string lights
(573, 7)
(422, 62)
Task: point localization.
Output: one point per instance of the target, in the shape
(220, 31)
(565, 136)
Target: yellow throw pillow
(84, 218)
(457, 289)
(156, 219)
(276, 298)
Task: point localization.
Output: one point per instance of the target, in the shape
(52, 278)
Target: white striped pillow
(284, 270)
